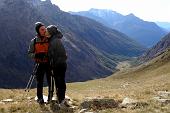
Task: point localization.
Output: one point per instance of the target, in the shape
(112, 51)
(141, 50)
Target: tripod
(32, 77)
(51, 88)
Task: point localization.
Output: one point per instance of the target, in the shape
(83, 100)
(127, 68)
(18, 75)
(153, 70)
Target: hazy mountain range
(146, 33)
(93, 49)
(165, 25)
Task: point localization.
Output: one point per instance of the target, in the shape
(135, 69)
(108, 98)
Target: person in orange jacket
(38, 50)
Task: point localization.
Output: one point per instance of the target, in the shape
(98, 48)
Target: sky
(148, 10)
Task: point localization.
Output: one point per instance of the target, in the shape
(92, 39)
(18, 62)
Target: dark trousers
(59, 77)
(43, 69)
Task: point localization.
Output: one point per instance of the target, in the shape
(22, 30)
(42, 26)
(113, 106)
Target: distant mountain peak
(103, 12)
(131, 15)
(45, 3)
(107, 10)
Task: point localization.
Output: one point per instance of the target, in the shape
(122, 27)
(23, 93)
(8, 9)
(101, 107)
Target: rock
(91, 98)
(29, 98)
(68, 98)
(85, 111)
(156, 98)
(74, 107)
(82, 110)
(163, 101)
(98, 104)
(163, 97)
(2, 102)
(15, 102)
(128, 101)
(164, 94)
(125, 85)
(131, 103)
(8, 100)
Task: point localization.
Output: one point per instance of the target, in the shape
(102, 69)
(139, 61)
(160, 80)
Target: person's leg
(60, 81)
(39, 77)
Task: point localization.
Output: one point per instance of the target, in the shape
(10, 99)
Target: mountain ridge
(157, 49)
(146, 33)
(165, 25)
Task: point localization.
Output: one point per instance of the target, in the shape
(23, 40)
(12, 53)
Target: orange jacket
(39, 46)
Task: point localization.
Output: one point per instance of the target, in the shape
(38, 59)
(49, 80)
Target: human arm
(31, 48)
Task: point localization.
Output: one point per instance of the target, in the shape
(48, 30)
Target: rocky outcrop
(163, 97)
(132, 103)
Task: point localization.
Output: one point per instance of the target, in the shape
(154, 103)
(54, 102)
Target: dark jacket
(56, 52)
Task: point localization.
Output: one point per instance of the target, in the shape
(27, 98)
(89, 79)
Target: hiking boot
(64, 104)
(40, 101)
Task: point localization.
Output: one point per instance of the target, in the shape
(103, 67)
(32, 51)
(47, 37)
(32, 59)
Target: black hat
(52, 29)
(37, 26)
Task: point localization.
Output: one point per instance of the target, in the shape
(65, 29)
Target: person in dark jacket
(38, 50)
(57, 57)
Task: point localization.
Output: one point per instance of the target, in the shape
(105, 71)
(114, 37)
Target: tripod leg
(28, 84)
(32, 77)
(31, 83)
